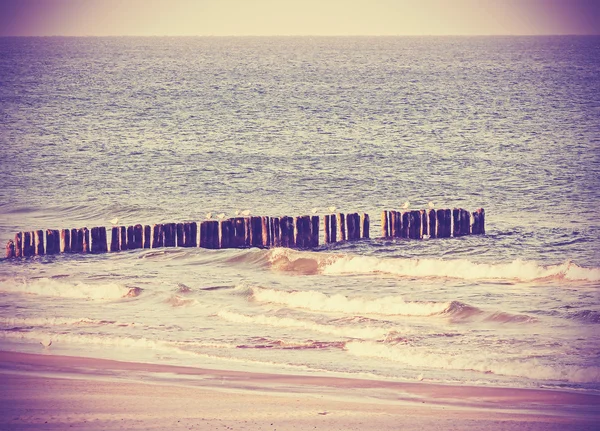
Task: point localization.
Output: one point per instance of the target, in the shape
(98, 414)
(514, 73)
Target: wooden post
(314, 231)
(180, 234)
(114, 239)
(287, 232)
(341, 225)
(276, 232)
(385, 232)
(85, 236)
(465, 222)
(158, 238)
(266, 231)
(481, 212)
(194, 234)
(353, 225)
(255, 231)
(10, 249)
(138, 236)
(440, 226)
(365, 225)
(95, 240)
(19, 244)
(247, 234)
(432, 223)
(190, 234)
(394, 224)
(326, 229)
(225, 233)
(475, 225)
(27, 244)
(448, 219)
(130, 241)
(424, 224)
(404, 229)
(123, 238)
(39, 242)
(170, 230)
(147, 236)
(333, 230)
(65, 241)
(213, 228)
(239, 232)
(76, 241)
(52, 241)
(456, 222)
(203, 234)
(299, 232)
(271, 232)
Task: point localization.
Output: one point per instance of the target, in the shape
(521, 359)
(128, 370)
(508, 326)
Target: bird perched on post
(431, 205)
(331, 209)
(406, 205)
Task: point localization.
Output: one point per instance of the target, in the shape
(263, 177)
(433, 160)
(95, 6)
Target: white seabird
(406, 205)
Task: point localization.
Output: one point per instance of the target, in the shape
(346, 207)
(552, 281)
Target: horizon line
(313, 35)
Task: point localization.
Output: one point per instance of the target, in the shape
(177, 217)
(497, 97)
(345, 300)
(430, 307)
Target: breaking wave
(530, 368)
(60, 288)
(317, 301)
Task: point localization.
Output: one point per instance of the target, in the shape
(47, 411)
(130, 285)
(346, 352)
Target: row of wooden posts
(239, 232)
(242, 232)
(441, 223)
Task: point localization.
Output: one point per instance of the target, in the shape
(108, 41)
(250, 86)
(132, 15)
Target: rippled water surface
(167, 129)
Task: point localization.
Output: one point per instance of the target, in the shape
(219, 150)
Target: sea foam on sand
(56, 392)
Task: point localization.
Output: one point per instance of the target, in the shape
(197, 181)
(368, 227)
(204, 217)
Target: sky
(297, 17)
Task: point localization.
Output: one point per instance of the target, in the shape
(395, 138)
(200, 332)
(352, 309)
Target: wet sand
(54, 392)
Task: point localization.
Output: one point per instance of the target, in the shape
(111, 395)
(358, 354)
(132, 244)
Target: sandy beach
(58, 392)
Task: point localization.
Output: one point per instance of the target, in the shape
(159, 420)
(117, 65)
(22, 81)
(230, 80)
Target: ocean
(161, 129)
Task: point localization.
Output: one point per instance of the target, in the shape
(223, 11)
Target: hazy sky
(297, 17)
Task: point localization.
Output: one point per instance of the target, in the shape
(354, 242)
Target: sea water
(152, 130)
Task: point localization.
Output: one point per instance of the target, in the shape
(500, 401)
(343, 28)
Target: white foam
(499, 364)
(368, 332)
(459, 268)
(65, 289)
(317, 301)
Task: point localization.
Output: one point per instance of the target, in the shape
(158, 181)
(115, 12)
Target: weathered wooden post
(481, 212)
(299, 232)
(225, 233)
(385, 230)
(130, 241)
(179, 234)
(353, 226)
(39, 242)
(333, 230)
(10, 249)
(424, 224)
(85, 234)
(394, 224)
(95, 240)
(465, 222)
(147, 236)
(170, 231)
(266, 231)
(365, 225)
(287, 232)
(326, 229)
(213, 229)
(314, 231)
(65, 241)
(52, 241)
(114, 239)
(19, 244)
(138, 236)
(76, 241)
(239, 232)
(475, 225)
(187, 234)
(255, 231)
(27, 244)
(276, 232)
(341, 225)
(456, 222)
(194, 234)
(440, 225)
(123, 238)
(158, 238)
(432, 223)
(448, 219)
(405, 226)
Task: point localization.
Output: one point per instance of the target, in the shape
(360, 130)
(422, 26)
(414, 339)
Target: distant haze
(297, 17)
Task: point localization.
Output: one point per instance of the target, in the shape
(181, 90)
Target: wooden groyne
(432, 223)
(301, 232)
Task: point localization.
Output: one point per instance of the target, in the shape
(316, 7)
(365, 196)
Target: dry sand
(50, 392)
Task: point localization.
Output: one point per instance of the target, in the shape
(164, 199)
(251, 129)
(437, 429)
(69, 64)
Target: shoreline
(157, 396)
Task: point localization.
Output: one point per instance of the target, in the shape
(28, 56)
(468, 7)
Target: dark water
(168, 129)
